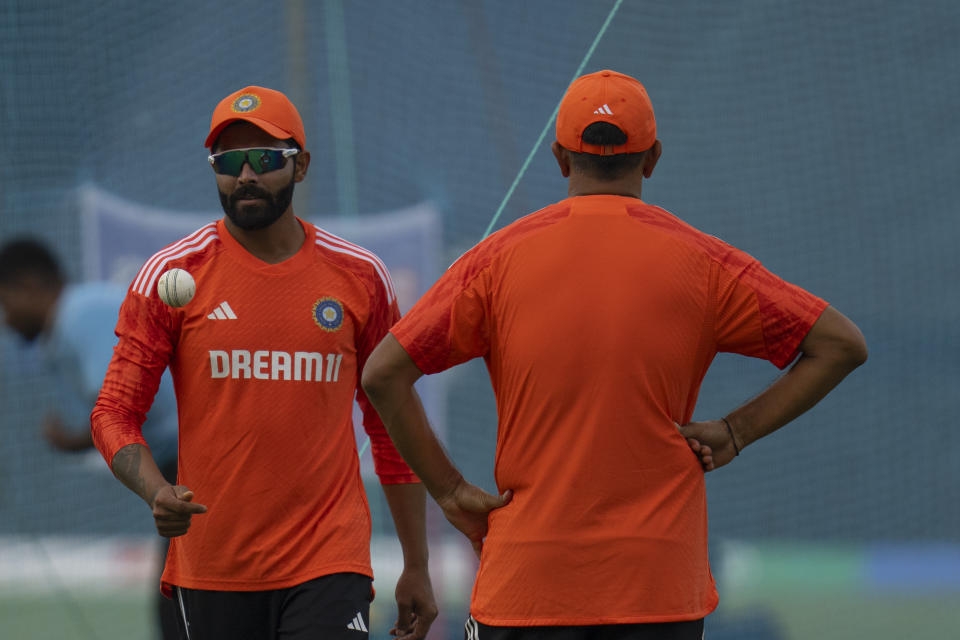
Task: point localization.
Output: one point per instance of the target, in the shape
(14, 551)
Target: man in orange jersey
(598, 317)
(269, 520)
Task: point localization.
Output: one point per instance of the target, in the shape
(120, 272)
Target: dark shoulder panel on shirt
(727, 255)
(477, 258)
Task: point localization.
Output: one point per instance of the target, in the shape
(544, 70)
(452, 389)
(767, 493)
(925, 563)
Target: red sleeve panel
(146, 330)
(387, 462)
(753, 298)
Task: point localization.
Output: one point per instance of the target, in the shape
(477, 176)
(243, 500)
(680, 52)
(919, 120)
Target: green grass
(802, 591)
(837, 592)
(830, 615)
(106, 616)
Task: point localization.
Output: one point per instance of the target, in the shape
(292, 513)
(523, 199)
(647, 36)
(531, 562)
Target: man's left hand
(711, 441)
(416, 607)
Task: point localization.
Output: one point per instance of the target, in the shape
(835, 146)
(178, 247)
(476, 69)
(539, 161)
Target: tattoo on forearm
(126, 467)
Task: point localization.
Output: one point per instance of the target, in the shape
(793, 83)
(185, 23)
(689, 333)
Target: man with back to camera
(73, 324)
(269, 520)
(598, 318)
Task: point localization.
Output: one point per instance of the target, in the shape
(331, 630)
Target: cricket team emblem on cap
(328, 314)
(245, 103)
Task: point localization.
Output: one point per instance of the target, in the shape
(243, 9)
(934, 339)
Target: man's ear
(303, 163)
(650, 161)
(563, 158)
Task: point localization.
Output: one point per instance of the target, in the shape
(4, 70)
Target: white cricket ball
(176, 287)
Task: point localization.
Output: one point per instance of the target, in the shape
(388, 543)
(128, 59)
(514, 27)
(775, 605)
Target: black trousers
(166, 609)
(165, 612)
(332, 607)
(689, 630)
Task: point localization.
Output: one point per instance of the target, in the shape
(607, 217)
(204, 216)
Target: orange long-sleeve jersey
(265, 361)
(598, 317)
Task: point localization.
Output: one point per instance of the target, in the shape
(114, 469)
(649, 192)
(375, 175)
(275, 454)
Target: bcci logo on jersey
(328, 314)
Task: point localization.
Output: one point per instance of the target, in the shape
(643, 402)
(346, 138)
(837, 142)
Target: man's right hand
(173, 507)
(467, 508)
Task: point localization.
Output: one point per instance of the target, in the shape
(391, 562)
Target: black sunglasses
(230, 163)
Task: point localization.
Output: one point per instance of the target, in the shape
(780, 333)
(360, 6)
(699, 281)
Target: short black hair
(606, 168)
(27, 256)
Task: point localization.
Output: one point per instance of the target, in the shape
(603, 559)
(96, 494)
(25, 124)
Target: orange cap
(606, 96)
(268, 109)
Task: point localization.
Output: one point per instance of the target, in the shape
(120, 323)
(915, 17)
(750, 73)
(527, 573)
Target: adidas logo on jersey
(223, 312)
(604, 111)
(357, 623)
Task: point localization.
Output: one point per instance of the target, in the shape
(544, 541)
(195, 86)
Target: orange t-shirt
(265, 362)
(598, 317)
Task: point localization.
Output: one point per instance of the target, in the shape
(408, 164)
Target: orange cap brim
(272, 129)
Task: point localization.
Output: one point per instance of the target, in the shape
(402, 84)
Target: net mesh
(818, 136)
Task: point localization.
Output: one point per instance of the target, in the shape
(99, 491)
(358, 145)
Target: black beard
(257, 216)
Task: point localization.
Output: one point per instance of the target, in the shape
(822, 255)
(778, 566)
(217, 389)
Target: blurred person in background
(269, 522)
(598, 318)
(72, 324)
